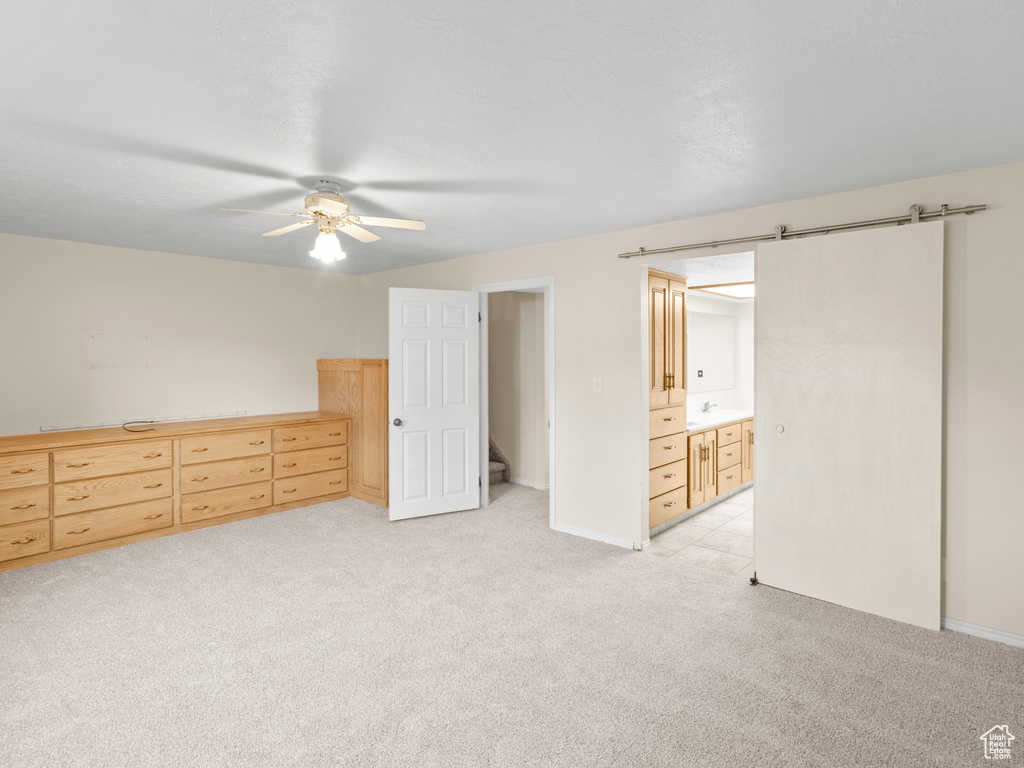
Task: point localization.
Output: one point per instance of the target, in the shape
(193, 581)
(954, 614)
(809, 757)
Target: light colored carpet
(327, 636)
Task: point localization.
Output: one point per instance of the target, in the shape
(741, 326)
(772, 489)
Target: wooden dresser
(65, 493)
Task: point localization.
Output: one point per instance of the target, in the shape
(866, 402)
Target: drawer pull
(26, 540)
(22, 471)
(24, 506)
(257, 470)
(78, 531)
(76, 466)
(200, 479)
(289, 439)
(335, 482)
(200, 509)
(288, 465)
(153, 517)
(334, 458)
(155, 455)
(669, 477)
(729, 453)
(78, 498)
(669, 447)
(669, 504)
(258, 442)
(293, 490)
(729, 477)
(669, 418)
(199, 450)
(153, 486)
(258, 497)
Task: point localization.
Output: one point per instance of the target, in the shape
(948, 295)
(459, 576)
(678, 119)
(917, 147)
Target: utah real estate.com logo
(997, 742)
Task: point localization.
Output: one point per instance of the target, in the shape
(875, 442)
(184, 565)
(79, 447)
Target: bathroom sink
(713, 418)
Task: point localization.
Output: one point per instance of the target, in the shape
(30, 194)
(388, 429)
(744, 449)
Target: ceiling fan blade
(272, 213)
(377, 221)
(363, 235)
(290, 228)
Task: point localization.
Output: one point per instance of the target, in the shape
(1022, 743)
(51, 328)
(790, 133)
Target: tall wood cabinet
(666, 307)
(360, 388)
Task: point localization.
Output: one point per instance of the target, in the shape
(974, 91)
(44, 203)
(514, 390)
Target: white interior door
(848, 412)
(433, 402)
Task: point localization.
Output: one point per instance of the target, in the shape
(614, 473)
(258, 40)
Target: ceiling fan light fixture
(327, 248)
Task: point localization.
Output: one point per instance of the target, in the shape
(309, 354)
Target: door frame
(545, 285)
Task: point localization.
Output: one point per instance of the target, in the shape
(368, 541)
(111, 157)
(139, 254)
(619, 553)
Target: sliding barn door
(433, 402)
(849, 419)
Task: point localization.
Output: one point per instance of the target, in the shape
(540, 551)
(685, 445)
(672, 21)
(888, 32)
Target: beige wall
(516, 400)
(599, 454)
(222, 336)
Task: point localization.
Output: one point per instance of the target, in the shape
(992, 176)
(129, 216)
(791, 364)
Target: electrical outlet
(598, 384)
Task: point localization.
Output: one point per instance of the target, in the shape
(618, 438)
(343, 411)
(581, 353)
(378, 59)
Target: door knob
(397, 422)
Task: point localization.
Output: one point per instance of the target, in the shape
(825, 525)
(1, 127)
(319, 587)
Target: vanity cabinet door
(711, 464)
(695, 466)
(676, 363)
(658, 339)
(747, 452)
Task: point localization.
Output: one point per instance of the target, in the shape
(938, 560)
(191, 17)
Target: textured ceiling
(499, 124)
(719, 269)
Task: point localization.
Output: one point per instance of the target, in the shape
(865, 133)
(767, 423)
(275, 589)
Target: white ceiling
(719, 269)
(499, 124)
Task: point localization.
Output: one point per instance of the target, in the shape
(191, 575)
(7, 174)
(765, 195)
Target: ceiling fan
(330, 212)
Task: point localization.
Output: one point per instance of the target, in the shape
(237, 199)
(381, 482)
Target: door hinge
(479, 317)
(480, 482)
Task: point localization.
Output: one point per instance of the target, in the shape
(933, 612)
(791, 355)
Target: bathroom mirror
(710, 352)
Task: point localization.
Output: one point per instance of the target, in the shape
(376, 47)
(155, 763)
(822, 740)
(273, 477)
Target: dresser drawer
(23, 504)
(665, 450)
(729, 434)
(100, 460)
(308, 486)
(24, 539)
(667, 478)
(728, 478)
(667, 506)
(225, 445)
(209, 477)
(19, 470)
(227, 501)
(88, 527)
(100, 492)
(729, 455)
(667, 421)
(314, 460)
(310, 436)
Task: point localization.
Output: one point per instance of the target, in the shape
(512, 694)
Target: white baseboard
(530, 484)
(999, 635)
(625, 543)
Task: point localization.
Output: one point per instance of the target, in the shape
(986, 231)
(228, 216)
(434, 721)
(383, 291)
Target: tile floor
(721, 538)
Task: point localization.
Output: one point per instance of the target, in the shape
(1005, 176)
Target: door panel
(657, 323)
(434, 393)
(848, 416)
(677, 342)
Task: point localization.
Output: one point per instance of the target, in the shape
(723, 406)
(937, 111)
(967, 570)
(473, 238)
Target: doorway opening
(701, 487)
(517, 377)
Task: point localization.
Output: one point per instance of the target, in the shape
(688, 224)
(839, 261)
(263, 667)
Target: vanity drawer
(83, 495)
(225, 445)
(728, 478)
(667, 421)
(729, 455)
(100, 460)
(19, 470)
(667, 478)
(667, 506)
(222, 474)
(665, 450)
(88, 527)
(310, 436)
(24, 539)
(306, 462)
(227, 501)
(309, 486)
(23, 504)
(730, 434)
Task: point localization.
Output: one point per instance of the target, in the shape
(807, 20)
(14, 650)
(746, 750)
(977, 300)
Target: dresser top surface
(50, 440)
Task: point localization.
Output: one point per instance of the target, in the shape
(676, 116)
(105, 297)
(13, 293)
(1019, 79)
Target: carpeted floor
(327, 636)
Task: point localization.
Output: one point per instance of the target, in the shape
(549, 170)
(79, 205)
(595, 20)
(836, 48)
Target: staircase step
(497, 466)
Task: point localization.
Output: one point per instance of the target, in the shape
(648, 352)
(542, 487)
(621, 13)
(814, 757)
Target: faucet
(707, 405)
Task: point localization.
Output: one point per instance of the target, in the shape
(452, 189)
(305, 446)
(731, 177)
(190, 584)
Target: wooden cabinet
(666, 310)
(703, 459)
(65, 493)
(360, 388)
(747, 452)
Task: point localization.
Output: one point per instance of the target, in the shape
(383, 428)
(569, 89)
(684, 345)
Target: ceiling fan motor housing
(326, 204)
